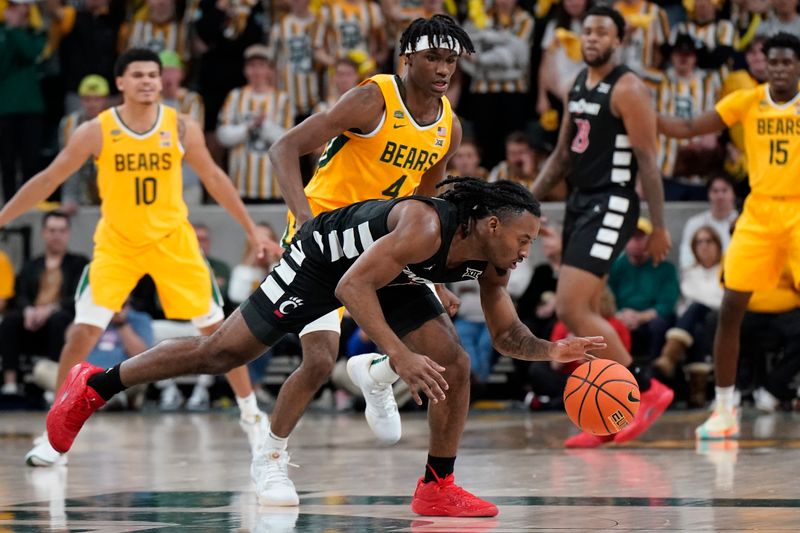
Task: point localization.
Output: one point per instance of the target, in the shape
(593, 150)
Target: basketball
(601, 397)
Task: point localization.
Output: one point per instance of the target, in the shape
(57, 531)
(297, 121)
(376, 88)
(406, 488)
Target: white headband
(440, 41)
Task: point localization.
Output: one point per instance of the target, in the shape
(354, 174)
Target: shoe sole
(278, 503)
(38, 462)
(725, 435)
(435, 510)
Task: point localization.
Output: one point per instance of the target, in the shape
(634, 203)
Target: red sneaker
(587, 440)
(74, 403)
(444, 498)
(654, 402)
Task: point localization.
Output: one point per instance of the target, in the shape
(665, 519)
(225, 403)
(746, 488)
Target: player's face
(431, 70)
(510, 239)
(783, 69)
(141, 82)
(599, 40)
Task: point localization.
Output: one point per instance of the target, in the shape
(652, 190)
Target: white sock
(381, 371)
(275, 443)
(725, 398)
(247, 406)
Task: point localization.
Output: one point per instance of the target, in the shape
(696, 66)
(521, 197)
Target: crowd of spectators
(248, 70)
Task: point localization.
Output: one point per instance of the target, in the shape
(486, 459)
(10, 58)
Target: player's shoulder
(746, 96)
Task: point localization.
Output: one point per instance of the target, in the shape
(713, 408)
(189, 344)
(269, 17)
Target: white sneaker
(256, 429)
(199, 400)
(42, 454)
(381, 411)
(171, 398)
(765, 401)
(273, 486)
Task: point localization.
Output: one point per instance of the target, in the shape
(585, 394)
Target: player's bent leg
(88, 387)
(724, 421)
(436, 493)
(269, 468)
(576, 302)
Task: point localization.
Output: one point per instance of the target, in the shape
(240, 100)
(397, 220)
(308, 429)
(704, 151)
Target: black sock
(443, 466)
(107, 383)
(642, 373)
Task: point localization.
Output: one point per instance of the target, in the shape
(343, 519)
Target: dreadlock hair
(783, 40)
(477, 199)
(435, 28)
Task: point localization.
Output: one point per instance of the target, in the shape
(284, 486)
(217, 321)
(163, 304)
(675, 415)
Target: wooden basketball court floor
(190, 472)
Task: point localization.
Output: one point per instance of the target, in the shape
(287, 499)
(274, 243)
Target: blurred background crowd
(248, 70)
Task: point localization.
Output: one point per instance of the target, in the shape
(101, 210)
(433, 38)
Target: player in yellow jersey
(767, 235)
(143, 229)
(386, 138)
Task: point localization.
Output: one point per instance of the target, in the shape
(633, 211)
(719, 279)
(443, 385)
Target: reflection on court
(157, 472)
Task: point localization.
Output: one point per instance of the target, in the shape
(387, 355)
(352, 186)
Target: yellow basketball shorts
(182, 277)
(765, 241)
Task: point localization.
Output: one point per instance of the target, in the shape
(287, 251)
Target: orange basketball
(601, 397)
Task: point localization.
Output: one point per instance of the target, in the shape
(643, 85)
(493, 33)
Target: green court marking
(209, 501)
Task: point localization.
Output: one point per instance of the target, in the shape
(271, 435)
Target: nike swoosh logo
(395, 126)
(428, 268)
(632, 398)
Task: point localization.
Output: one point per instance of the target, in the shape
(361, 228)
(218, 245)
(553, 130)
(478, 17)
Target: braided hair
(477, 199)
(436, 28)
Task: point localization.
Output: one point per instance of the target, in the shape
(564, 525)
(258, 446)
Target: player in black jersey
(608, 136)
(374, 257)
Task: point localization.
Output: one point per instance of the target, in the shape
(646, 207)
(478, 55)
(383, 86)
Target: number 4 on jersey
(393, 190)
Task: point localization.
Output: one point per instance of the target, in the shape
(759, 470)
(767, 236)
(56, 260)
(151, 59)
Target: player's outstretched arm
(631, 100)
(415, 236)
(438, 172)
(556, 166)
(359, 109)
(218, 184)
(686, 128)
(86, 141)
(512, 338)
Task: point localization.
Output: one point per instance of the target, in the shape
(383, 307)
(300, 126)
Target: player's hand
(264, 246)
(575, 349)
(421, 374)
(450, 301)
(658, 244)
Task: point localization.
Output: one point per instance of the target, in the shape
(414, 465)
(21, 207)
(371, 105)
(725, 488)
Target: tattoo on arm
(518, 342)
(181, 130)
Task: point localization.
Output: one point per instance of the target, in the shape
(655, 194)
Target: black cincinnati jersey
(301, 288)
(600, 151)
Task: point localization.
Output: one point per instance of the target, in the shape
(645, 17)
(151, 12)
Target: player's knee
(318, 369)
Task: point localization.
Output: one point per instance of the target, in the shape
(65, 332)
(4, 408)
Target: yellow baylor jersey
(386, 163)
(139, 179)
(771, 138)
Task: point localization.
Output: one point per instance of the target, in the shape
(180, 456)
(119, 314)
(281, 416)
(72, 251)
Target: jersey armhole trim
(374, 132)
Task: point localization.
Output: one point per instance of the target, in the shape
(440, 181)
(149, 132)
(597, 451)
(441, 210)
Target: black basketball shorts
(277, 308)
(597, 226)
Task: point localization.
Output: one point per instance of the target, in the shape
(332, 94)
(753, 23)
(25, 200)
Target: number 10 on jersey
(146, 190)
